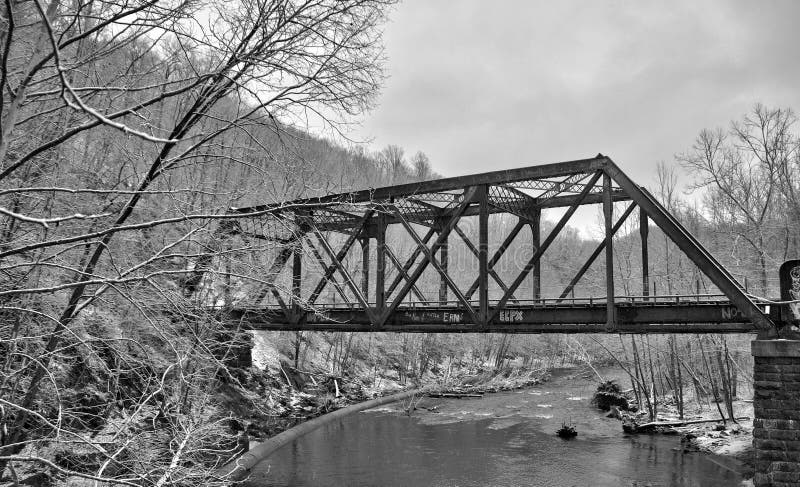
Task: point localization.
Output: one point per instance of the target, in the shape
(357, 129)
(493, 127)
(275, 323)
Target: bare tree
(421, 166)
(393, 159)
(126, 131)
(666, 186)
(744, 172)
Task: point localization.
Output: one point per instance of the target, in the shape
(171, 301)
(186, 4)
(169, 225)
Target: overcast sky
(491, 85)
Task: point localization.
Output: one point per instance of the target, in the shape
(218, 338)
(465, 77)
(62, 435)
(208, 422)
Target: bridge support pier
(776, 404)
(234, 350)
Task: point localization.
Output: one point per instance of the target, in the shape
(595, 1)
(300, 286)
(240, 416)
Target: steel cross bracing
(405, 280)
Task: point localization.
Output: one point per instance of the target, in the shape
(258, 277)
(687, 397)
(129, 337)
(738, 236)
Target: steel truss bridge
(426, 217)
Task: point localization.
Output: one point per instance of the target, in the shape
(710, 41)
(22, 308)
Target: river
(503, 439)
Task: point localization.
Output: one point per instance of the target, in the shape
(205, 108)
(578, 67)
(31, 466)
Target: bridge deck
(635, 314)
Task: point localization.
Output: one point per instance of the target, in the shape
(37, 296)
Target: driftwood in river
(453, 394)
(630, 426)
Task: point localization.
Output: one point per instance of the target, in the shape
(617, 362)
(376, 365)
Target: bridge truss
(426, 217)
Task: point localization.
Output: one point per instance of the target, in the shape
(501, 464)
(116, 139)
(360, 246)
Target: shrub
(610, 394)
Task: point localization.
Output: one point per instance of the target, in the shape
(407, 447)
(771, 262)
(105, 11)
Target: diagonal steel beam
(409, 262)
(236, 227)
(339, 256)
(549, 240)
(691, 247)
(274, 271)
(324, 266)
(429, 257)
(440, 240)
(499, 253)
(474, 250)
(348, 279)
(272, 275)
(595, 254)
(287, 312)
(404, 274)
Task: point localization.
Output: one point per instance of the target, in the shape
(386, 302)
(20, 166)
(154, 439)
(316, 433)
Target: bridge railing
(623, 300)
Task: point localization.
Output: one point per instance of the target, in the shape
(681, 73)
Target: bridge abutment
(776, 405)
(235, 350)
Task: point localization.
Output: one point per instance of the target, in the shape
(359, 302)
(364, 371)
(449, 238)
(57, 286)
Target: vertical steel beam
(380, 263)
(297, 278)
(365, 267)
(444, 260)
(536, 241)
(483, 253)
(608, 209)
(644, 229)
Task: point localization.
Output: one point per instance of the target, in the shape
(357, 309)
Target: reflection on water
(514, 446)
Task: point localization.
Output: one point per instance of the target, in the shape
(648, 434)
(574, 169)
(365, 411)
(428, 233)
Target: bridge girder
(641, 317)
(440, 205)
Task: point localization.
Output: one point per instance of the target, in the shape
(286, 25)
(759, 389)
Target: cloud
(490, 85)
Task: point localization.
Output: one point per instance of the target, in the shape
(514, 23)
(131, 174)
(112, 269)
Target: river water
(503, 439)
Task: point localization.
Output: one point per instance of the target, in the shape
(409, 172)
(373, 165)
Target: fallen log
(457, 395)
(634, 427)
